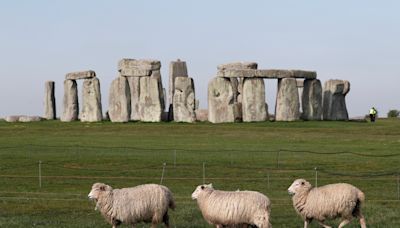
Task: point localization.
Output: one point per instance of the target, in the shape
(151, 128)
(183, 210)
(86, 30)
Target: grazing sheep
(233, 208)
(327, 202)
(143, 203)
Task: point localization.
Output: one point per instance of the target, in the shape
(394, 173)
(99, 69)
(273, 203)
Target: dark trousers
(372, 117)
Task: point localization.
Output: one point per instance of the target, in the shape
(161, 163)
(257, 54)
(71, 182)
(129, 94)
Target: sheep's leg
(363, 224)
(324, 225)
(166, 219)
(306, 222)
(344, 222)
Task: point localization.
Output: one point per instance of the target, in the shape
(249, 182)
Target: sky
(354, 40)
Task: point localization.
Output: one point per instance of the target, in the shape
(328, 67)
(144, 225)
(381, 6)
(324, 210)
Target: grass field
(265, 157)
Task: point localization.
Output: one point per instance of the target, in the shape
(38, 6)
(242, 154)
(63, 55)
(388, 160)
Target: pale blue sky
(354, 40)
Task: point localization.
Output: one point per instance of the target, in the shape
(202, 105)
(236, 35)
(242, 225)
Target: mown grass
(265, 157)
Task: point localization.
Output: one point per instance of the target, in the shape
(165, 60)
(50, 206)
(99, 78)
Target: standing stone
(312, 100)
(91, 101)
(71, 105)
(119, 100)
(184, 100)
(221, 105)
(177, 68)
(49, 101)
(156, 74)
(287, 100)
(253, 105)
(334, 103)
(150, 100)
(134, 86)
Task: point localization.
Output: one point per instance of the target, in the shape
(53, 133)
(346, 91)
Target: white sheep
(327, 202)
(232, 208)
(143, 203)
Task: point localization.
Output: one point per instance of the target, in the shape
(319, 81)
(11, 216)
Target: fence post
(268, 180)
(204, 172)
(398, 186)
(162, 174)
(277, 158)
(174, 158)
(40, 174)
(316, 176)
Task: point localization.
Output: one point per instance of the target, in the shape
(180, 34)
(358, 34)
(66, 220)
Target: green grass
(265, 157)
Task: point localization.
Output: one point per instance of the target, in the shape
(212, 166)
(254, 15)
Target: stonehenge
(91, 98)
(184, 100)
(235, 94)
(49, 101)
(334, 103)
(144, 89)
(119, 102)
(287, 106)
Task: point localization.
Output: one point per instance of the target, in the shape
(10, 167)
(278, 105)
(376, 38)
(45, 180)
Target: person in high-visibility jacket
(372, 114)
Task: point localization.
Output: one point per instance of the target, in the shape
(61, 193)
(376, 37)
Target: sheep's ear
(210, 185)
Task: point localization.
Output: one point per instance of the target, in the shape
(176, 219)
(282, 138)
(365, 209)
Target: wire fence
(272, 169)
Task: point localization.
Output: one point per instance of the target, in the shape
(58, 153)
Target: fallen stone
(119, 103)
(150, 100)
(184, 100)
(22, 118)
(30, 119)
(80, 75)
(253, 104)
(202, 115)
(287, 101)
(221, 106)
(91, 101)
(312, 100)
(70, 102)
(49, 101)
(334, 103)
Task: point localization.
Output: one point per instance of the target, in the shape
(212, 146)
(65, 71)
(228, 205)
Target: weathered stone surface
(312, 100)
(184, 100)
(23, 118)
(70, 102)
(176, 69)
(91, 101)
(134, 86)
(334, 103)
(202, 115)
(156, 74)
(221, 106)
(150, 100)
(80, 75)
(142, 64)
(237, 66)
(135, 72)
(119, 103)
(49, 101)
(253, 104)
(12, 119)
(29, 119)
(275, 74)
(287, 100)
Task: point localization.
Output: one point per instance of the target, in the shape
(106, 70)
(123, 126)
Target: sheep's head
(97, 190)
(200, 189)
(299, 185)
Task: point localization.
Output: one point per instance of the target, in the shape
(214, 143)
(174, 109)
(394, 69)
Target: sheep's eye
(202, 187)
(302, 183)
